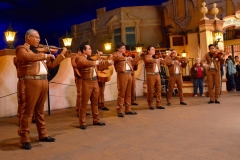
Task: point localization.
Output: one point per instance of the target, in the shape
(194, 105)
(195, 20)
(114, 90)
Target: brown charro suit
(213, 75)
(172, 63)
(124, 80)
(153, 79)
(33, 91)
(78, 82)
(90, 89)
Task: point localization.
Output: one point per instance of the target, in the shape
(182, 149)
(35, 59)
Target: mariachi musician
(33, 85)
(135, 67)
(103, 77)
(211, 61)
(90, 90)
(175, 76)
(124, 68)
(153, 69)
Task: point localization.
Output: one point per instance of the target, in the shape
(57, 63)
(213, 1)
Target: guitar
(105, 75)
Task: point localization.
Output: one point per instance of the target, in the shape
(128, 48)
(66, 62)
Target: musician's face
(33, 39)
(122, 49)
(197, 62)
(212, 49)
(87, 51)
(151, 51)
(174, 53)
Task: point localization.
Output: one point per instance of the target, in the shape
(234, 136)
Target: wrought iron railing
(231, 34)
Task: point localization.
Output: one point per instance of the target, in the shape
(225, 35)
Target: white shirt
(43, 70)
(156, 69)
(212, 64)
(177, 70)
(127, 67)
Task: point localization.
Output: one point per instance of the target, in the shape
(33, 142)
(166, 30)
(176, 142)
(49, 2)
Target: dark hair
(236, 57)
(78, 48)
(83, 46)
(119, 45)
(148, 48)
(210, 45)
(230, 57)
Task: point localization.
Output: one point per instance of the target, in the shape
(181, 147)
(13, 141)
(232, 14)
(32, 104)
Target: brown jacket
(120, 62)
(216, 60)
(86, 67)
(194, 71)
(150, 63)
(28, 63)
(74, 65)
(172, 66)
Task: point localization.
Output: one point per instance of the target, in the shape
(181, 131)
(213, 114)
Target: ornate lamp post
(10, 35)
(217, 36)
(107, 46)
(139, 49)
(67, 40)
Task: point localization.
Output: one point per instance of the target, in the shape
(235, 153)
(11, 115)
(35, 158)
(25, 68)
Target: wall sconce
(184, 54)
(107, 46)
(167, 51)
(139, 49)
(217, 37)
(67, 40)
(10, 35)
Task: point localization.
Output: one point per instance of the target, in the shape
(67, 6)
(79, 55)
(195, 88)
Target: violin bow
(48, 46)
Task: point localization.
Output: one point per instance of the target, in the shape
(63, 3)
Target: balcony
(231, 34)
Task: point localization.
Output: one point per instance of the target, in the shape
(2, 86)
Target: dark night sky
(52, 18)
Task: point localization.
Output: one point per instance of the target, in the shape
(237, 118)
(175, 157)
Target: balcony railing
(231, 34)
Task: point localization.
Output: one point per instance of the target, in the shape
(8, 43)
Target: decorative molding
(182, 24)
(130, 16)
(167, 6)
(110, 23)
(5, 52)
(194, 4)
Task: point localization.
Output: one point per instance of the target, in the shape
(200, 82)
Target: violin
(52, 49)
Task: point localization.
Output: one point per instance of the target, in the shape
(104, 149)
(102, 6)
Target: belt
(37, 77)
(175, 74)
(212, 69)
(128, 71)
(91, 79)
(154, 73)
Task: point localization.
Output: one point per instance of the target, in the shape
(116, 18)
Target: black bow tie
(32, 48)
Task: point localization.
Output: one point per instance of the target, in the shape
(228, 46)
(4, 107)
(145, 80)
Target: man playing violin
(124, 68)
(33, 86)
(175, 76)
(153, 69)
(211, 61)
(90, 89)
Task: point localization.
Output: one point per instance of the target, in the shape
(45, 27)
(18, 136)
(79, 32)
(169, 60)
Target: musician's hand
(110, 61)
(206, 66)
(99, 52)
(161, 59)
(110, 57)
(97, 62)
(64, 51)
(50, 57)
